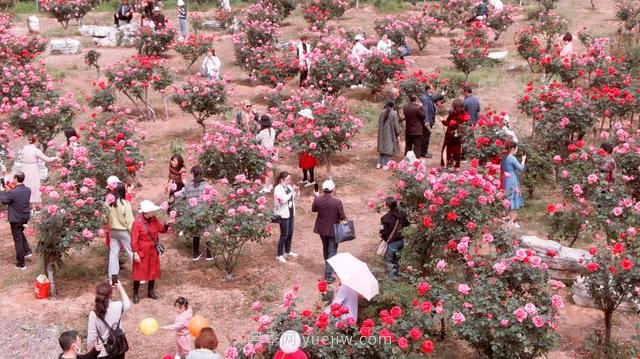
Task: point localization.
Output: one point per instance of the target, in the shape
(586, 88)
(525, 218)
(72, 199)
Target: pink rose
(530, 308)
(441, 265)
(557, 303)
(520, 314)
(537, 321)
(458, 318)
(464, 289)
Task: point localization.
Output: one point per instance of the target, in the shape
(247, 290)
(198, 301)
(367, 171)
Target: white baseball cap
(328, 186)
(306, 112)
(113, 180)
(147, 206)
(359, 37)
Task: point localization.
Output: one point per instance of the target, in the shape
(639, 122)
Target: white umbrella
(355, 274)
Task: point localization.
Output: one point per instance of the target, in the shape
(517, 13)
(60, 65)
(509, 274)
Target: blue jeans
(183, 27)
(329, 249)
(391, 257)
(286, 234)
(383, 159)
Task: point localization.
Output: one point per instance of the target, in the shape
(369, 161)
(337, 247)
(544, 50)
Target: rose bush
(334, 69)
(65, 10)
(16, 49)
(193, 47)
(421, 28)
(470, 51)
(380, 68)
(318, 12)
(150, 41)
(201, 98)
(501, 21)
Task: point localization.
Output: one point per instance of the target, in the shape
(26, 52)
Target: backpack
(117, 343)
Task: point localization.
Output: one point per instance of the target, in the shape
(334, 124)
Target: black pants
(412, 143)
(196, 247)
(20, 242)
(303, 77)
(311, 176)
(286, 234)
(426, 137)
(329, 249)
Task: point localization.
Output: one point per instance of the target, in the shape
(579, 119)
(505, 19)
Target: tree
(201, 98)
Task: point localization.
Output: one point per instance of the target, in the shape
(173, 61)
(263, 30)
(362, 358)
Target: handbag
(382, 246)
(276, 218)
(159, 246)
(344, 231)
(117, 343)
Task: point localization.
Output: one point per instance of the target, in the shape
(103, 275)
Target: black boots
(136, 288)
(150, 293)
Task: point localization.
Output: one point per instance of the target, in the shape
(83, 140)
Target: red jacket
(144, 233)
(296, 355)
(306, 161)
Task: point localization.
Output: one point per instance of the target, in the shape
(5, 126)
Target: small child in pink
(183, 338)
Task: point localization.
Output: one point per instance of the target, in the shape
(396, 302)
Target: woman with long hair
(267, 138)
(391, 225)
(31, 157)
(106, 311)
(510, 168)
(194, 189)
(452, 146)
(120, 220)
(388, 132)
(284, 196)
(176, 175)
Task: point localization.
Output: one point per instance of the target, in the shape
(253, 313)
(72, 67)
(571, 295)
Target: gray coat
(388, 133)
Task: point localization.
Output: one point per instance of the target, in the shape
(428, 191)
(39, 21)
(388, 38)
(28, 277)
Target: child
(183, 340)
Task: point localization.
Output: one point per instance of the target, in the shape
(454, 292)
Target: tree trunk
(442, 329)
(608, 318)
(327, 161)
(51, 275)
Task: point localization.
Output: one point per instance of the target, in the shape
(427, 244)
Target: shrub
(318, 12)
(193, 47)
(469, 52)
(154, 41)
(500, 22)
(201, 98)
(65, 10)
(550, 26)
(91, 60)
(528, 47)
(103, 97)
(421, 28)
(392, 27)
(380, 69)
(628, 11)
(333, 66)
(16, 49)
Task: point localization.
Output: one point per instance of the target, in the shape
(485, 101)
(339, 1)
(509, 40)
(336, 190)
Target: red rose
(415, 333)
(453, 245)
(426, 307)
(423, 288)
(593, 251)
(551, 253)
(365, 331)
(322, 286)
(452, 216)
(395, 312)
(618, 248)
(427, 346)
(403, 343)
(551, 209)
(592, 267)
(427, 222)
(626, 264)
(368, 323)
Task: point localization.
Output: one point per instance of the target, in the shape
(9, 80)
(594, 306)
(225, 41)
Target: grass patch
(56, 73)
(24, 7)
(369, 117)
(385, 6)
(59, 31)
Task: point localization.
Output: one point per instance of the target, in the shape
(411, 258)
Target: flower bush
(470, 51)
(275, 67)
(454, 13)
(150, 41)
(318, 12)
(224, 17)
(333, 66)
(193, 47)
(391, 26)
(528, 47)
(421, 28)
(332, 129)
(550, 26)
(65, 10)
(487, 141)
(16, 49)
(102, 98)
(380, 69)
(501, 21)
(135, 76)
(91, 60)
(414, 84)
(226, 153)
(201, 98)
(628, 11)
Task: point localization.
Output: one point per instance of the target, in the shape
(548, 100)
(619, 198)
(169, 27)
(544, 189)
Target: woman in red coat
(453, 136)
(146, 260)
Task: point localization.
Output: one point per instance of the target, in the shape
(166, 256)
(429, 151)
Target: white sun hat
(359, 37)
(147, 206)
(306, 112)
(113, 180)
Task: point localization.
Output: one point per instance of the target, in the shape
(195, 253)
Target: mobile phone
(114, 279)
(315, 187)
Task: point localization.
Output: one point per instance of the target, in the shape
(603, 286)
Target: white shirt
(284, 202)
(304, 58)
(359, 51)
(385, 46)
(497, 5)
(347, 297)
(211, 66)
(266, 137)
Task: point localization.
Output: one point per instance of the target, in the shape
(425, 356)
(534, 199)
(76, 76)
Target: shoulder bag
(159, 246)
(117, 343)
(344, 231)
(382, 246)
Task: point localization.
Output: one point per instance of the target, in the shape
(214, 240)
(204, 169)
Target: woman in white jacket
(211, 65)
(284, 196)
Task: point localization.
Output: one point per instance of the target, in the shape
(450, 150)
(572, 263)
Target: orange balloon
(196, 324)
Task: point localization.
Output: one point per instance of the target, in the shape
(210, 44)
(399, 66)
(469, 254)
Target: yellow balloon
(149, 326)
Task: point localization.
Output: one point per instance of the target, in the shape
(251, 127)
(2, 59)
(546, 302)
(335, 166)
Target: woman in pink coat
(181, 327)
(146, 259)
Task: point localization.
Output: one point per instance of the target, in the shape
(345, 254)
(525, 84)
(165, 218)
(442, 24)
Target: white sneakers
(283, 259)
(378, 166)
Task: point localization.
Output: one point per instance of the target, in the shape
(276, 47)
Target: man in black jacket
(19, 215)
(330, 212)
(414, 117)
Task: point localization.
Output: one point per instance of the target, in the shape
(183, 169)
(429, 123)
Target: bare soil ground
(29, 328)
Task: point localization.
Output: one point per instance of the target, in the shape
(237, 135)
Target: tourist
(609, 165)
(182, 19)
(385, 46)
(330, 212)
(567, 48)
(177, 170)
(289, 346)
(506, 130)
(106, 314)
(359, 51)
(471, 105)
(347, 297)
(71, 345)
(284, 202)
(429, 101)
(414, 117)
(225, 5)
(19, 215)
(511, 168)
(497, 5)
(194, 189)
(206, 344)
(144, 241)
(71, 135)
(266, 138)
(211, 65)
(124, 13)
(181, 327)
(247, 119)
(388, 135)
(303, 50)
(482, 11)
(391, 225)
(147, 10)
(31, 157)
(451, 153)
(120, 220)
(158, 19)
(307, 162)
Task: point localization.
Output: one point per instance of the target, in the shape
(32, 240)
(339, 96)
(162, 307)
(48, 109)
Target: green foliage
(201, 98)
(103, 97)
(154, 42)
(539, 167)
(381, 68)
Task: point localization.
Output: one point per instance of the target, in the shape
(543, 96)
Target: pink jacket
(182, 322)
